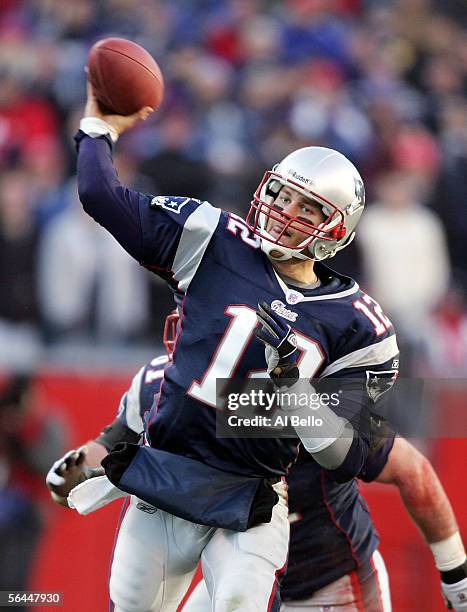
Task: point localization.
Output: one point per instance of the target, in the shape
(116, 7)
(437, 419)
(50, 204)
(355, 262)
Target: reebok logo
(146, 508)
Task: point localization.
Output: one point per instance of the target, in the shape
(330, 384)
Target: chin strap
(286, 253)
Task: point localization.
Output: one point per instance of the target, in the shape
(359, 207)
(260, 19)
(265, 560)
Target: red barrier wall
(74, 552)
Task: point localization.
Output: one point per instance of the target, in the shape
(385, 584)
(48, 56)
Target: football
(124, 76)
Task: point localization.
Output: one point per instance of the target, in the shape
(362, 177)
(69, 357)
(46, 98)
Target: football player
(314, 323)
(333, 561)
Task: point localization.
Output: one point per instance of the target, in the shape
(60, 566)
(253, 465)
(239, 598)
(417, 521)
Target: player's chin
(292, 240)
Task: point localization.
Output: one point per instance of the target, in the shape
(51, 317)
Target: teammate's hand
(280, 344)
(67, 472)
(455, 593)
(120, 123)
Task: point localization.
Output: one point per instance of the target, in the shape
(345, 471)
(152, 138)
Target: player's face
(296, 205)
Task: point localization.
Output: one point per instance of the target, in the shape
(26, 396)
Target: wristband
(95, 127)
(449, 553)
(455, 575)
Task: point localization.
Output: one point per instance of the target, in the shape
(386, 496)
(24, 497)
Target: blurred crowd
(247, 81)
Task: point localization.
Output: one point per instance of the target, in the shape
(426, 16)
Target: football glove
(280, 342)
(67, 472)
(455, 593)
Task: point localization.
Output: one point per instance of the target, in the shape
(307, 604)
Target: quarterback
(256, 300)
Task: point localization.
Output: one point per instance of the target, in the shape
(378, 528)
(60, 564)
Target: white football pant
(343, 595)
(156, 556)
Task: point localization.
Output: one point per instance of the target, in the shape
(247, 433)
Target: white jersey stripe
(316, 298)
(132, 404)
(196, 234)
(332, 296)
(374, 354)
(383, 580)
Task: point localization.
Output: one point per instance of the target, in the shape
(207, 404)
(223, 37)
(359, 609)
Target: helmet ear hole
(273, 188)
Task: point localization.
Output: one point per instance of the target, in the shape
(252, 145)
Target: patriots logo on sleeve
(174, 205)
(378, 383)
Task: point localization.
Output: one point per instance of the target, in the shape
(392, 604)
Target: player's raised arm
(103, 196)
(167, 234)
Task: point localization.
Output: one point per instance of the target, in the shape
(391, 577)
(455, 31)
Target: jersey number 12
(233, 344)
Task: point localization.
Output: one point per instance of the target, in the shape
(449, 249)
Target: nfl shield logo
(293, 297)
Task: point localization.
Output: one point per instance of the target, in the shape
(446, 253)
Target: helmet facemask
(170, 332)
(262, 211)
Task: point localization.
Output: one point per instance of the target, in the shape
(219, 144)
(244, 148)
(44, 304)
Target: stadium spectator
(18, 250)
(24, 118)
(448, 199)
(174, 168)
(446, 350)
(404, 252)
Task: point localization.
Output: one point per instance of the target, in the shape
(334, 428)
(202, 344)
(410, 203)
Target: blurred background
(247, 81)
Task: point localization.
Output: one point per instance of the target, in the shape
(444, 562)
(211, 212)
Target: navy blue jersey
(211, 259)
(331, 531)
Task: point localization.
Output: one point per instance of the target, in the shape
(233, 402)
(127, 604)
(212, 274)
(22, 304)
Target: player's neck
(297, 269)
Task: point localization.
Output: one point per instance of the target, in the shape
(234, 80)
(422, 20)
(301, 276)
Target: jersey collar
(333, 286)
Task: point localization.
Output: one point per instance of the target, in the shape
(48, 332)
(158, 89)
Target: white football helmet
(323, 175)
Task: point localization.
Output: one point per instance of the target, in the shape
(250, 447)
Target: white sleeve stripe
(122, 406)
(161, 360)
(196, 234)
(132, 409)
(375, 354)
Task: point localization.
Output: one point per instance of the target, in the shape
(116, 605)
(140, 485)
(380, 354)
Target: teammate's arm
(428, 505)
(420, 490)
(80, 464)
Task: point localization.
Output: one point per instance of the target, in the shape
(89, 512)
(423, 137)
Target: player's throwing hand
(118, 123)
